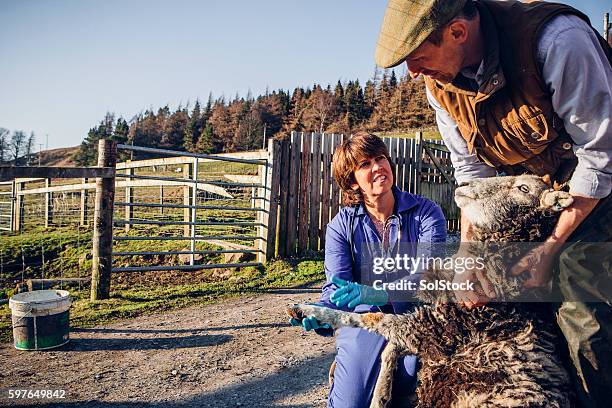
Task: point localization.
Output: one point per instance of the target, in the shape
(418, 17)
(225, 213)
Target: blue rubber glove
(309, 323)
(353, 294)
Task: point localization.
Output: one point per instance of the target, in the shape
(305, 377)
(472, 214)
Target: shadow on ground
(266, 391)
(157, 343)
(178, 331)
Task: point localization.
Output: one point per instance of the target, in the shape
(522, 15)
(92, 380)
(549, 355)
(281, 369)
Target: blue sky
(65, 63)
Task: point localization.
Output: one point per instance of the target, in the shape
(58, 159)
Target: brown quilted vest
(509, 121)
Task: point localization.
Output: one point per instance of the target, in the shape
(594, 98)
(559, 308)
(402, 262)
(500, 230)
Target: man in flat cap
(527, 88)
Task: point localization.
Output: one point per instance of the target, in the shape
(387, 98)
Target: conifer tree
(392, 81)
(369, 99)
(294, 121)
(193, 128)
(205, 141)
(339, 94)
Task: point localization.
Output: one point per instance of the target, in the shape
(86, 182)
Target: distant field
(432, 134)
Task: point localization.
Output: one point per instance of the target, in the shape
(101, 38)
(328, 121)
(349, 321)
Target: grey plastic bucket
(41, 319)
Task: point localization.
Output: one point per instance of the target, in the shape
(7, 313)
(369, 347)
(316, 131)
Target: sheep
(498, 355)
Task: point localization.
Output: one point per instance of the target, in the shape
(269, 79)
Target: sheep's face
(490, 202)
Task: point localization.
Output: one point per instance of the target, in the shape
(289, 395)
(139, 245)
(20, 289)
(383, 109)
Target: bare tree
(29, 149)
(4, 144)
(17, 142)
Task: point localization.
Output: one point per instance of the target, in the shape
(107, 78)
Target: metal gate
(7, 197)
(189, 211)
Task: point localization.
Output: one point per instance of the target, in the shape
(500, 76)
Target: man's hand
(353, 294)
(483, 292)
(539, 261)
(537, 265)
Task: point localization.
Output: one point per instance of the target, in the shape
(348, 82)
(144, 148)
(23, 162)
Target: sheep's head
(492, 204)
(510, 209)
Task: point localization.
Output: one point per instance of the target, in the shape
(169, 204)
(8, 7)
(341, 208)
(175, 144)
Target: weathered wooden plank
(335, 197)
(432, 155)
(243, 178)
(401, 163)
(315, 193)
(326, 187)
(9, 173)
(408, 152)
(304, 194)
(393, 153)
(285, 171)
(292, 201)
(418, 155)
(272, 196)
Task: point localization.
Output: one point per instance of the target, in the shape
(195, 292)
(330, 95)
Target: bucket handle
(28, 313)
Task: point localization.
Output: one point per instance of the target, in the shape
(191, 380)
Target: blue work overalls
(415, 219)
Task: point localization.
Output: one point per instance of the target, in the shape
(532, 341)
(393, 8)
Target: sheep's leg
(335, 318)
(388, 364)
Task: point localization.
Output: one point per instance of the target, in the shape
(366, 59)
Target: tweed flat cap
(407, 23)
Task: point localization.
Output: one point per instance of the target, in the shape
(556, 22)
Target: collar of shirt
(403, 202)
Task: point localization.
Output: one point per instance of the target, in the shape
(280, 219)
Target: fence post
(419, 161)
(271, 194)
(161, 200)
(13, 198)
(48, 204)
(129, 199)
(194, 214)
(103, 224)
(187, 170)
(18, 212)
(83, 220)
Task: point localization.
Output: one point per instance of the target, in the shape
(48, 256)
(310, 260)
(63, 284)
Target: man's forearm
(570, 219)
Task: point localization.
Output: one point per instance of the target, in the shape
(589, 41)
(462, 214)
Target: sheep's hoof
(296, 313)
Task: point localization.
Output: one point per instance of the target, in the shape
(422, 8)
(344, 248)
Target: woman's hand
(352, 294)
(309, 323)
(483, 292)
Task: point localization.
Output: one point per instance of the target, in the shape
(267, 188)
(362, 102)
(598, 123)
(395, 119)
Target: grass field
(133, 299)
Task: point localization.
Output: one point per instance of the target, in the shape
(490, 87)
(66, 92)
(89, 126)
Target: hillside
(57, 157)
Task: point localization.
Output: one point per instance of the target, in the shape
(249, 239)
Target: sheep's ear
(556, 200)
(546, 179)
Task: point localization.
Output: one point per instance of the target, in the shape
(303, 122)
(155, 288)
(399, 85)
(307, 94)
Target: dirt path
(236, 353)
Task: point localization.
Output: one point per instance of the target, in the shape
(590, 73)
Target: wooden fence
(309, 198)
(298, 182)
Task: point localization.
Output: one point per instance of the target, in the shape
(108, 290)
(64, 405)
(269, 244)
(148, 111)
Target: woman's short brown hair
(362, 146)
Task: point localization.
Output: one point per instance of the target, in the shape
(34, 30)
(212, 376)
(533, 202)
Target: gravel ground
(235, 353)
